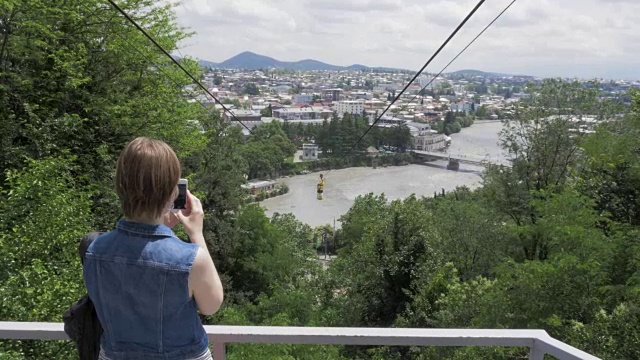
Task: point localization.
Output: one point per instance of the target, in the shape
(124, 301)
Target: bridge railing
(538, 341)
(471, 159)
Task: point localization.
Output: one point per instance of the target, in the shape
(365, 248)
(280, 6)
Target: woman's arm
(204, 283)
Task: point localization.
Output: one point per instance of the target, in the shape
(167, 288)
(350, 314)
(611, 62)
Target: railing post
(219, 351)
(535, 352)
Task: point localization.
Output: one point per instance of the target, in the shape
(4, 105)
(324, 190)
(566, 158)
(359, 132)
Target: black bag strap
(85, 242)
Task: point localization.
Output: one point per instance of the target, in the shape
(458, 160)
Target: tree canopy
(550, 242)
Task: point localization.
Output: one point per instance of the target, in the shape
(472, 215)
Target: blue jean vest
(137, 277)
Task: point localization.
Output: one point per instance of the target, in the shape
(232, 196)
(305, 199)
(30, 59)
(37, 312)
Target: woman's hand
(171, 219)
(192, 217)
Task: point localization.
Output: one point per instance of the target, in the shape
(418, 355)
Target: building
(303, 98)
(281, 89)
(464, 107)
(261, 186)
(362, 95)
(332, 94)
(388, 121)
(375, 104)
(301, 113)
(243, 115)
(309, 152)
(430, 140)
(433, 82)
(386, 87)
(353, 107)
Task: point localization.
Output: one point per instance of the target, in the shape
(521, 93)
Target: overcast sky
(581, 38)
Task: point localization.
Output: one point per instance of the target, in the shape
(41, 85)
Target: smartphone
(181, 201)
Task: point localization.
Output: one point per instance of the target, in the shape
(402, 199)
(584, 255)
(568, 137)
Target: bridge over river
(456, 159)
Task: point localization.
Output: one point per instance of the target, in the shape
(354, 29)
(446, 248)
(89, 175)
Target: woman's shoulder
(172, 251)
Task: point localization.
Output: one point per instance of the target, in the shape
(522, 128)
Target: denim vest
(137, 277)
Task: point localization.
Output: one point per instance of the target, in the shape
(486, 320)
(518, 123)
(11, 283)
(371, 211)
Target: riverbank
(359, 160)
(344, 185)
(396, 182)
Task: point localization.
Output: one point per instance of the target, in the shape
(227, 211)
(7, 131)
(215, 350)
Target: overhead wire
(440, 72)
(457, 29)
(165, 52)
(158, 67)
(461, 52)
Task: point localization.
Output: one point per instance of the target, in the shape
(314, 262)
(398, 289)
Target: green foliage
(550, 242)
(266, 112)
(266, 150)
(481, 113)
(262, 254)
(612, 335)
(389, 247)
(43, 216)
(611, 172)
(474, 238)
(336, 137)
(251, 89)
(454, 122)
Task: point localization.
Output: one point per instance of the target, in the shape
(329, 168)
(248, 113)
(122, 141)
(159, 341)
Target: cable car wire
(438, 74)
(144, 32)
(461, 52)
(157, 67)
(458, 28)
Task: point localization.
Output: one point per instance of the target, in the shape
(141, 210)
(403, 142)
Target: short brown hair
(147, 175)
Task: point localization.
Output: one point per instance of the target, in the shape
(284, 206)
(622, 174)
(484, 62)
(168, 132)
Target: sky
(547, 38)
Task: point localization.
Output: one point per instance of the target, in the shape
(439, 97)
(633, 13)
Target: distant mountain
(484, 74)
(206, 63)
(251, 61)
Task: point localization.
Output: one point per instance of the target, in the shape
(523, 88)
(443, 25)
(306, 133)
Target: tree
(266, 112)
(481, 113)
(472, 244)
(377, 266)
(611, 172)
(43, 216)
(235, 102)
(482, 89)
(450, 124)
(66, 91)
(76, 80)
(250, 89)
(542, 149)
(368, 84)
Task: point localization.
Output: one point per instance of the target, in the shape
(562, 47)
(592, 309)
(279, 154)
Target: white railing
(538, 341)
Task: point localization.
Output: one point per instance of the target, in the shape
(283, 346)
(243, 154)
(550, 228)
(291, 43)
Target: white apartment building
(302, 113)
(430, 140)
(353, 107)
(309, 152)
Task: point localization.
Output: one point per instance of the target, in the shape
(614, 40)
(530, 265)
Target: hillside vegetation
(551, 243)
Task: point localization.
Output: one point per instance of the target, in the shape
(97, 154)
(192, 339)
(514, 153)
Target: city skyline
(585, 39)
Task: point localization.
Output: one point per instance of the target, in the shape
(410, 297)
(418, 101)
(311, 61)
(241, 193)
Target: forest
(269, 149)
(551, 242)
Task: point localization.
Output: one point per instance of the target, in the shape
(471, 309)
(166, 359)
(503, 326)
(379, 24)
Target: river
(343, 186)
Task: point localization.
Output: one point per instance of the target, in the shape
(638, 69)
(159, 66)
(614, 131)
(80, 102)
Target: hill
(249, 60)
(471, 72)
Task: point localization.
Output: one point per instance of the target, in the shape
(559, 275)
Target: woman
(146, 284)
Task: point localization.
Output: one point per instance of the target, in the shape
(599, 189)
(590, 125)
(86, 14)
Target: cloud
(542, 37)
(353, 5)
